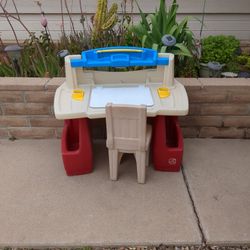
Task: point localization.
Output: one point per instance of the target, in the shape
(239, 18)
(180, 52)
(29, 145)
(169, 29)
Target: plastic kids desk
(86, 91)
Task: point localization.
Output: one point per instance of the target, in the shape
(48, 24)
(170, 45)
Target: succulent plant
(104, 19)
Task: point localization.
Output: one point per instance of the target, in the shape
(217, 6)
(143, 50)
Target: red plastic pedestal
(77, 147)
(167, 145)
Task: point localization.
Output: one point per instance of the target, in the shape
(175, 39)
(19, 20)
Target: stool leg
(113, 164)
(120, 154)
(141, 166)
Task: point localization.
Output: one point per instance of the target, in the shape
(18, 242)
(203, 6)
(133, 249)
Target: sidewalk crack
(203, 238)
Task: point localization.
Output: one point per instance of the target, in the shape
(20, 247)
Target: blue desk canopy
(121, 56)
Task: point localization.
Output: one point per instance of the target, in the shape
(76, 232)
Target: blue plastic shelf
(119, 57)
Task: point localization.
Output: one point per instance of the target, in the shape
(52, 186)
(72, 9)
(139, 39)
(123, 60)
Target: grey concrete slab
(218, 173)
(41, 206)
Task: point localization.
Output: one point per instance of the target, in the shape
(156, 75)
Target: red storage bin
(167, 144)
(76, 147)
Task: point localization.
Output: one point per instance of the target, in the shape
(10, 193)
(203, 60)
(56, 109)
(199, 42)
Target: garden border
(219, 108)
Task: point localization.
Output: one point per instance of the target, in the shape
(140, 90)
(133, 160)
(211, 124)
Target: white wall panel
(89, 6)
(222, 16)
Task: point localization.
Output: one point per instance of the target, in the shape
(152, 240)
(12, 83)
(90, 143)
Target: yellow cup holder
(163, 92)
(77, 94)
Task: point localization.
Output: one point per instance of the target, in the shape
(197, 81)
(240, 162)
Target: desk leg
(76, 147)
(167, 144)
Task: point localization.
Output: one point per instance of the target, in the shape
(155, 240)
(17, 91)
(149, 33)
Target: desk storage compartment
(167, 145)
(76, 147)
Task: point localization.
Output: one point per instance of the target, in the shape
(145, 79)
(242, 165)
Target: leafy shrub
(242, 59)
(242, 62)
(248, 64)
(232, 66)
(153, 27)
(220, 49)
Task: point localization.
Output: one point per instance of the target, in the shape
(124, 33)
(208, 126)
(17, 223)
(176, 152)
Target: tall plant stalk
(9, 22)
(203, 17)
(62, 16)
(70, 18)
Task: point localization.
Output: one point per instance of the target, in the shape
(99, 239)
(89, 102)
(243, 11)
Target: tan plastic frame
(78, 78)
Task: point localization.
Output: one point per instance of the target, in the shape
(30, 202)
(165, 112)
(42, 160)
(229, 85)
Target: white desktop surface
(129, 95)
(67, 108)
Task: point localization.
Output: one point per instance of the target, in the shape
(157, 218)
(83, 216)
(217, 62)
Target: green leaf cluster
(74, 43)
(244, 62)
(220, 49)
(153, 27)
(243, 59)
(188, 67)
(39, 57)
(248, 64)
(6, 69)
(232, 66)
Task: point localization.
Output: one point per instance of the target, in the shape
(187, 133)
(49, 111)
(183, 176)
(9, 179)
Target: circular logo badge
(172, 161)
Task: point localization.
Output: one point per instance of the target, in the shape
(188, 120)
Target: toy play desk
(86, 91)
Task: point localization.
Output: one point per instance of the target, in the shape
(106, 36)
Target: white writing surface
(130, 95)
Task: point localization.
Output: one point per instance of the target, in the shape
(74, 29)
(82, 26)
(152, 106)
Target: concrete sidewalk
(209, 201)
(218, 176)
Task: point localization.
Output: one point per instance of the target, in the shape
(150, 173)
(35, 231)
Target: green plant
(241, 63)
(75, 43)
(40, 53)
(104, 19)
(6, 67)
(42, 62)
(220, 49)
(153, 27)
(248, 64)
(109, 29)
(188, 67)
(242, 59)
(232, 66)
(38, 59)
(6, 70)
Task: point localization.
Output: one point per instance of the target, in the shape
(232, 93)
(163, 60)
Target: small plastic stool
(76, 147)
(167, 144)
